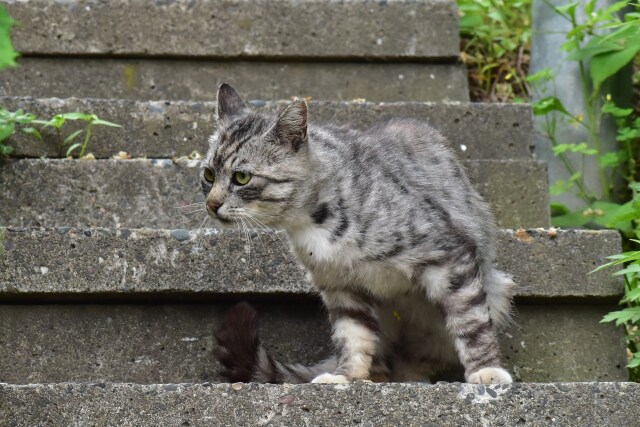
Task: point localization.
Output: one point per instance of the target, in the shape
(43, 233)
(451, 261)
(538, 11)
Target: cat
(395, 238)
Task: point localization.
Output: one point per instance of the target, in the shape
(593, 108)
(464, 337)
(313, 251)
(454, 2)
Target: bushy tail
(500, 289)
(246, 360)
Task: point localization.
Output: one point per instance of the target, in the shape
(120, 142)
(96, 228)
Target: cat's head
(256, 163)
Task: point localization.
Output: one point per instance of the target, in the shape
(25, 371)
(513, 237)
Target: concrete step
(154, 78)
(172, 128)
(99, 264)
(148, 193)
(425, 30)
(559, 304)
(156, 342)
(566, 404)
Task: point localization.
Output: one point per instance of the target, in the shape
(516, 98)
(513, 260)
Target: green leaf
(632, 268)
(568, 10)
(558, 209)
(33, 132)
(582, 148)
(605, 65)
(628, 134)
(608, 215)
(548, 104)
(635, 361)
(5, 150)
(71, 137)
(98, 121)
(560, 187)
(573, 219)
(76, 116)
(73, 147)
(544, 75)
(628, 315)
(610, 108)
(632, 296)
(56, 121)
(619, 259)
(6, 130)
(611, 159)
(595, 46)
(7, 53)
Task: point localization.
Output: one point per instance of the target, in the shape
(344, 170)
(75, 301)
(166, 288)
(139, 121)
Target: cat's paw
(490, 376)
(330, 379)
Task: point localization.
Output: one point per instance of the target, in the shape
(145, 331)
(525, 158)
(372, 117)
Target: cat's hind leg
(458, 290)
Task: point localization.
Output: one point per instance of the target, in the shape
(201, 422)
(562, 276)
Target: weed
(7, 54)
(601, 44)
(495, 46)
(90, 120)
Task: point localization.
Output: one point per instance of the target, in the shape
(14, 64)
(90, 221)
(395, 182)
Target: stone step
(173, 128)
(153, 342)
(566, 404)
(425, 30)
(153, 78)
(149, 193)
(102, 264)
(559, 304)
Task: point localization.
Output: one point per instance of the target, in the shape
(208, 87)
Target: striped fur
(397, 241)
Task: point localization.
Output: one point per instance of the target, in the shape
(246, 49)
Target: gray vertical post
(548, 34)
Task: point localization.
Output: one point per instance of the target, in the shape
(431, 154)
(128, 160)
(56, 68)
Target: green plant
(90, 120)
(629, 316)
(495, 46)
(7, 54)
(601, 45)
(19, 121)
(9, 121)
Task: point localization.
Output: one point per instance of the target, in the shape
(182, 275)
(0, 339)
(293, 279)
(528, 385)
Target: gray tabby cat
(395, 238)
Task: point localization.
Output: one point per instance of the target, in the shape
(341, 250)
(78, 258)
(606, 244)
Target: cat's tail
(246, 360)
(500, 290)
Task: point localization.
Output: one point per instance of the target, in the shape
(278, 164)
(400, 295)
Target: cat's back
(402, 137)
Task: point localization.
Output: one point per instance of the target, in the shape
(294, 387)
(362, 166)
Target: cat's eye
(241, 178)
(209, 175)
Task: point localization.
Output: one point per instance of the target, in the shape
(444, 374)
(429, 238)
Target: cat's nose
(214, 206)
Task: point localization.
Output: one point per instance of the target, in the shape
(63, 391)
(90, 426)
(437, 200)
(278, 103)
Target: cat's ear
(229, 102)
(291, 126)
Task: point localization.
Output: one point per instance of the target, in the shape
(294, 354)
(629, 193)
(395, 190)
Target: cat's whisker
(193, 210)
(189, 205)
(270, 231)
(195, 234)
(267, 231)
(248, 218)
(247, 237)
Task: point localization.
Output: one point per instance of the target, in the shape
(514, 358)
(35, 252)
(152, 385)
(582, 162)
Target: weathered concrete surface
(415, 30)
(106, 262)
(566, 404)
(167, 128)
(151, 79)
(149, 193)
(151, 343)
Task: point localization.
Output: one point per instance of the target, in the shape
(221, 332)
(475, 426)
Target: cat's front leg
(355, 329)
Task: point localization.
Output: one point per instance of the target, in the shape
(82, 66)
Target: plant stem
(60, 147)
(86, 141)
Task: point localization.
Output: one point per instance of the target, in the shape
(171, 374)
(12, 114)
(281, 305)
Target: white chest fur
(341, 264)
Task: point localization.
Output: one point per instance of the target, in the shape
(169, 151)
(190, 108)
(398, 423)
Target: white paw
(330, 379)
(490, 376)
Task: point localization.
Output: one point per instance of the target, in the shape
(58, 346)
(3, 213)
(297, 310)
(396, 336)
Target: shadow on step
(173, 343)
